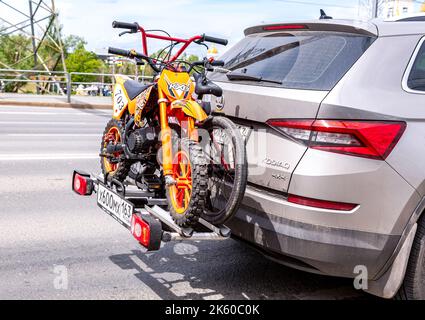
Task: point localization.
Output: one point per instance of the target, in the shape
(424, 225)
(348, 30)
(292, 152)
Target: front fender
(191, 109)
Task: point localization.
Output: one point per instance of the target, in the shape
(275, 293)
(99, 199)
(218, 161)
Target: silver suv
(334, 116)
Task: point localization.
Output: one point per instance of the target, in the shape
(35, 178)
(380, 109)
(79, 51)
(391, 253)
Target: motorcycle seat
(134, 88)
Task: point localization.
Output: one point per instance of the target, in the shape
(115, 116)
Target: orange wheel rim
(113, 136)
(181, 193)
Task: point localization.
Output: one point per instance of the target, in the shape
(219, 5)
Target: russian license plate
(114, 205)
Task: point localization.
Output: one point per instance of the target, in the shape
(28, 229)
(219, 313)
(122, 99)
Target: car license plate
(114, 205)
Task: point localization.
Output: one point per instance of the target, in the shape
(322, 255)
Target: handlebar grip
(119, 52)
(218, 63)
(198, 63)
(133, 27)
(132, 54)
(223, 42)
(127, 53)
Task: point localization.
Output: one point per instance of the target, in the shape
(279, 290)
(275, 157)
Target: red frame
(146, 36)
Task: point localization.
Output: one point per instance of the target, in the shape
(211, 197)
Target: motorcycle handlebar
(209, 65)
(133, 27)
(215, 63)
(223, 42)
(127, 53)
(119, 52)
(218, 63)
(133, 54)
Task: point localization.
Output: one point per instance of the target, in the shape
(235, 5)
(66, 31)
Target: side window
(416, 80)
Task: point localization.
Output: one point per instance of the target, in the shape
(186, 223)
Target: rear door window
(299, 60)
(416, 79)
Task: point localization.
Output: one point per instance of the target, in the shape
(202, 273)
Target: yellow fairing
(121, 100)
(191, 109)
(141, 102)
(176, 85)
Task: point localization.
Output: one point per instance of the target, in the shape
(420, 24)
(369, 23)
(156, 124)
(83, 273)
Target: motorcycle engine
(141, 140)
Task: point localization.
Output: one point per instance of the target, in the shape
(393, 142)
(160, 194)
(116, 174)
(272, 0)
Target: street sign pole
(34, 46)
(375, 8)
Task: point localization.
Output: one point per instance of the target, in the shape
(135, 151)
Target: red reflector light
(141, 230)
(82, 184)
(368, 139)
(285, 27)
(321, 204)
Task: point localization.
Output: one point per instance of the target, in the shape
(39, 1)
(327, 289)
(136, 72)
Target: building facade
(395, 8)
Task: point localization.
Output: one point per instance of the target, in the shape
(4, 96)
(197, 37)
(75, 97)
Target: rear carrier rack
(141, 212)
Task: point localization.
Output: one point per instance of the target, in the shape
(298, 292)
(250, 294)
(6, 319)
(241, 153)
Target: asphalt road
(55, 245)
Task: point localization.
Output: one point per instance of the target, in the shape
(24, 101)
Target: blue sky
(92, 19)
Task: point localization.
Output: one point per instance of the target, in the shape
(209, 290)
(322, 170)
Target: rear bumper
(310, 247)
(328, 241)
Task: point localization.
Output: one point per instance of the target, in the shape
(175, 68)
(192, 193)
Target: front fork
(166, 135)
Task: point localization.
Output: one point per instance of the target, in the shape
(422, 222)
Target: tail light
(82, 184)
(285, 27)
(141, 230)
(147, 231)
(367, 139)
(322, 204)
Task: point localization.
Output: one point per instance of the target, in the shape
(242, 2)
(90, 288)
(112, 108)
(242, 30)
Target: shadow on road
(227, 270)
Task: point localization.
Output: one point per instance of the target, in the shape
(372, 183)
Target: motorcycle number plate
(115, 206)
(120, 100)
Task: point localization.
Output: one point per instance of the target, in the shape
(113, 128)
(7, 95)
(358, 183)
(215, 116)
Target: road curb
(56, 105)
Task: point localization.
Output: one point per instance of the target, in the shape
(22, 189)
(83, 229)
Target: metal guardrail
(61, 81)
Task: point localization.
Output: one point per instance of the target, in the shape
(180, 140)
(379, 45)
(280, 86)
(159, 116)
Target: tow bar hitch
(142, 213)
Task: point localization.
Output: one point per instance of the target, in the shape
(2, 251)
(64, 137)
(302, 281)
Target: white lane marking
(45, 123)
(53, 135)
(48, 109)
(31, 157)
(53, 114)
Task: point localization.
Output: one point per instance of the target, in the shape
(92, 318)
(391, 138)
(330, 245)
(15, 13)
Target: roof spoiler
(354, 27)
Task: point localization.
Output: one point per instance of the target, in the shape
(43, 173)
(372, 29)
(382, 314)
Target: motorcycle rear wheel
(113, 134)
(227, 170)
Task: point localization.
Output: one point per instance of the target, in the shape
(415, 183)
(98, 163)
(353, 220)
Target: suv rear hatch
(284, 72)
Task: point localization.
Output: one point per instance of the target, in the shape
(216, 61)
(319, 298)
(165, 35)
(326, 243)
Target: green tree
(13, 49)
(15, 53)
(49, 52)
(84, 61)
(72, 42)
(191, 58)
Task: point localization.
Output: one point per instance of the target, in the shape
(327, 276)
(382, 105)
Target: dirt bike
(164, 137)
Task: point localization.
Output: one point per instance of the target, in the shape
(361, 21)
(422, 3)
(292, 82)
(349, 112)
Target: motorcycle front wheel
(187, 197)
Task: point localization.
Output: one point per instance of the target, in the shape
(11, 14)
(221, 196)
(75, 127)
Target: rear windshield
(300, 60)
(417, 76)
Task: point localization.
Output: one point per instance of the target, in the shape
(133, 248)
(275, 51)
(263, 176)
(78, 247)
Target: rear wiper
(245, 77)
